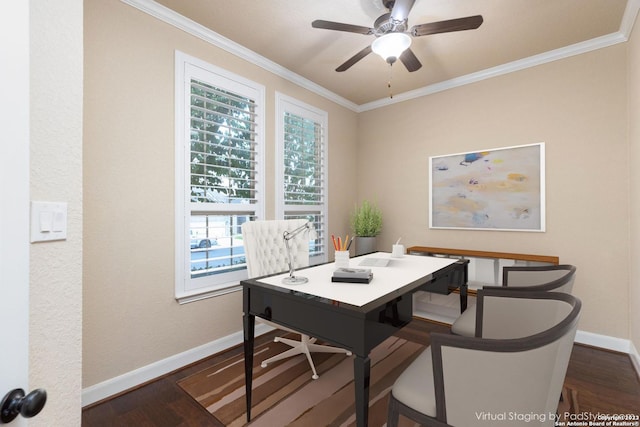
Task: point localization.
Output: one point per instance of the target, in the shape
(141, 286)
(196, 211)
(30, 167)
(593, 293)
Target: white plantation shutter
(223, 146)
(219, 165)
(301, 169)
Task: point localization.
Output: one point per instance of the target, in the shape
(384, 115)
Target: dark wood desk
(358, 328)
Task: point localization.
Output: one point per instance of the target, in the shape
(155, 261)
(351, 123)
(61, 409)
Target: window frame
(189, 289)
(292, 105)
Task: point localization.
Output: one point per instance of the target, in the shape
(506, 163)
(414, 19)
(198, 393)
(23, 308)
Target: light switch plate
(48, 221)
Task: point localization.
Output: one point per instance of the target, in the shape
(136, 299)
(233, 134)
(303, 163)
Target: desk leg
(361, 370)
(463, 297)
(249, 323)
(464, 286)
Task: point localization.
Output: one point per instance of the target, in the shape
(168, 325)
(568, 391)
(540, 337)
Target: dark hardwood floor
(603, 382)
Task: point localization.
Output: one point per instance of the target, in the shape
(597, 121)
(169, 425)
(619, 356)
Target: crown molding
(626, 26)
(629, 18)
(522, 64)
(175, 19)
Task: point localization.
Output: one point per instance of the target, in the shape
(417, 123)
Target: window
(219, 179)
(301, 153)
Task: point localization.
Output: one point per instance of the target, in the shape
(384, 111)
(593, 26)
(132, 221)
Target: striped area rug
(285, 395)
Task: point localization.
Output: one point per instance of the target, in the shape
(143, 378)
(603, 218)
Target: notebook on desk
(374, 262)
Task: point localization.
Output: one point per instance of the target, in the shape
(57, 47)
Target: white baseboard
(610, 343)
(603, 341)
(113, 386)
(606, 342)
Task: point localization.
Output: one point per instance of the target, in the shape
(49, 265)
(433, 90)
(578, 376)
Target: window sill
(194, 296)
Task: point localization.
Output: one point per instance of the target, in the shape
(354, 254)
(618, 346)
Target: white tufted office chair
(266, 254)
(556, 278)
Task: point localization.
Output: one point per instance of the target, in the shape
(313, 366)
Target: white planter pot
(365, 245)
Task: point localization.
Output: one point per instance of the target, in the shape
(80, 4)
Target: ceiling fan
(393, 36)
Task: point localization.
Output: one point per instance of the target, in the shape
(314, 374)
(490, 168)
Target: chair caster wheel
(264, 365)
(315, 377)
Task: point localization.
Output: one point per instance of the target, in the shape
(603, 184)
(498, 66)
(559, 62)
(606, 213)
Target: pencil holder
(342, 259)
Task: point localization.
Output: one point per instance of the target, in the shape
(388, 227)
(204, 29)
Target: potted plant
(366, 222)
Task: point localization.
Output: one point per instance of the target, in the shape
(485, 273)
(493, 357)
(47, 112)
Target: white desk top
(398, 273)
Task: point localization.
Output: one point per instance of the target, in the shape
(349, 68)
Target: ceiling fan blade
(338, 26)
(401, 9)
(355, 58)
(459, 24)
(409, 59)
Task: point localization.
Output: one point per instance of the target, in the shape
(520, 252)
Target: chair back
(505, 380)
(557, 278)
(501, 317)
(265, 249)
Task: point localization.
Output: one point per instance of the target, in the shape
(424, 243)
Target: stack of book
(352, 275)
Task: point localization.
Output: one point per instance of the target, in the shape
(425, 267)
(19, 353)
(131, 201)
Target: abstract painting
(495, 189)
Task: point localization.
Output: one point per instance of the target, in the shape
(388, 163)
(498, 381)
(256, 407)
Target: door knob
(15, 402)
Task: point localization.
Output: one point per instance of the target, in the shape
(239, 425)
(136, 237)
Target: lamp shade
(391, 45)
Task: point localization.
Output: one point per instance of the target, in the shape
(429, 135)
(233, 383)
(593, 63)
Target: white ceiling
(514, 33)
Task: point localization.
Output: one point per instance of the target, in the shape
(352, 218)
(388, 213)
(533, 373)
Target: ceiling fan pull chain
(389, 82)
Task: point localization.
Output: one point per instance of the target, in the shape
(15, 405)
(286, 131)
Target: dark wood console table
(467, 254)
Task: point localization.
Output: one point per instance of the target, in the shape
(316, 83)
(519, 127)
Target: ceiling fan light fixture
(390, 46)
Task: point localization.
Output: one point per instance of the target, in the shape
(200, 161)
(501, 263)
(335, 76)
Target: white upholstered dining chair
(266, 254)
(515, 366)
(557, 278)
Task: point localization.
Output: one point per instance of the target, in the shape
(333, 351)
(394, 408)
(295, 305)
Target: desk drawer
(449, 281)
(318, 320)
(357, 331)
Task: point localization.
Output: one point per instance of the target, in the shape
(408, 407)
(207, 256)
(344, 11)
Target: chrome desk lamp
(288, 235)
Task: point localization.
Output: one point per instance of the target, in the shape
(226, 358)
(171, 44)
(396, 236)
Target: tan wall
(577, 106)
(55, 328)
(634, 160)
(131, 318)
